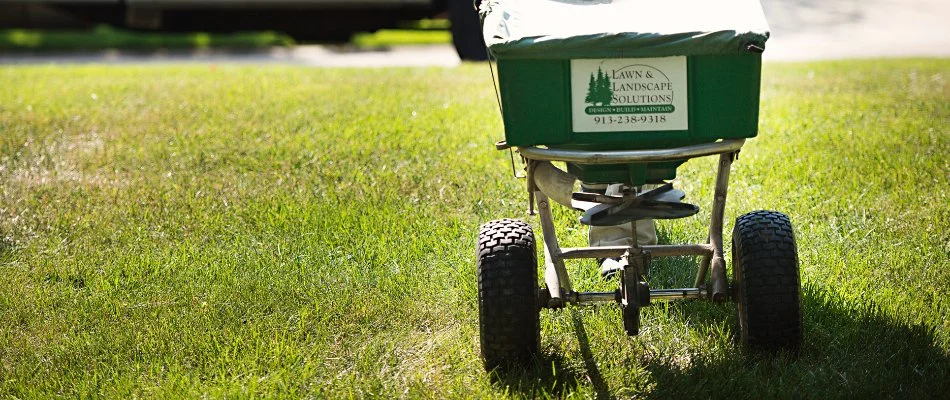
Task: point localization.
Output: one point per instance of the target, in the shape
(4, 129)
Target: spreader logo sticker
(629, 94)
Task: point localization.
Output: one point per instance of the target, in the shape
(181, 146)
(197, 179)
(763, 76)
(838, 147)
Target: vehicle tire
(467, 31)
(507, 293)
(766, 282)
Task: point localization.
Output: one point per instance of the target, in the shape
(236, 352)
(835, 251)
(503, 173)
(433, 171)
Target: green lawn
(298, 232)
(399, 37)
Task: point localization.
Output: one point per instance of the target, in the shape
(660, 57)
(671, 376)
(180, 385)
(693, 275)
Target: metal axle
(593, 298)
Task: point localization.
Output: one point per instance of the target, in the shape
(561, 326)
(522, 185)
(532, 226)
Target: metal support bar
(677, 294)
(555, 273)
(715, 263)
(654, 250)
(678, 250)
(590, 298)
(532, 186)
(629, 156)
(570, 253)
(703, 267)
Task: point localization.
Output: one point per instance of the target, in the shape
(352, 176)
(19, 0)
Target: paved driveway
(313, 55)
(828, 29)
(801, 30)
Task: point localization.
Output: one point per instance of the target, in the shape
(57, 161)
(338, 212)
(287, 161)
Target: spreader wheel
(767, 283)
(507, 293)
(634, 295)
(629, 303)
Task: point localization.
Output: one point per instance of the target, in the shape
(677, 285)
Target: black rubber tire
(467, 31)
(767, 282)
(508, 312)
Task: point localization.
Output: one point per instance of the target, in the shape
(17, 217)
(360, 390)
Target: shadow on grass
(849, 352)
(552, 375)
(590, 363)
(548, 375)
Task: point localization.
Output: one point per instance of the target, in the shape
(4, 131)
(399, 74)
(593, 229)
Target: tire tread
(766, 271)
(507, 293)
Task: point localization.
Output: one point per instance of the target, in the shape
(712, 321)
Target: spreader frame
(560, 291)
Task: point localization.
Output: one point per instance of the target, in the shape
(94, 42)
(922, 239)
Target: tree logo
(599, 91)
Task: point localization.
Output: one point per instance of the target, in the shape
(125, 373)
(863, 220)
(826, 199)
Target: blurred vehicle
(305, 20)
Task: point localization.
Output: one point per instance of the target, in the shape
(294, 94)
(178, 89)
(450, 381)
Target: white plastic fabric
(545, 29)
